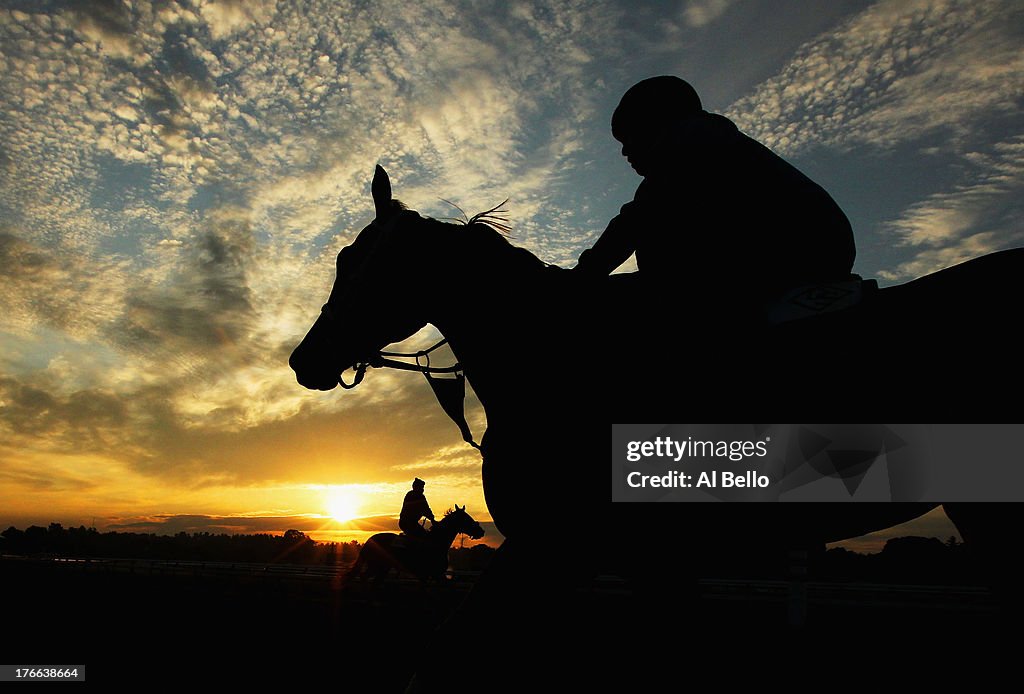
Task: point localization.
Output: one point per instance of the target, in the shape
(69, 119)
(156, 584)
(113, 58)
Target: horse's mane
(496, 217)
(487, 232)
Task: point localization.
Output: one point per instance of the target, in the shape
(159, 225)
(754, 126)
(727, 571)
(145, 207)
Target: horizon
(868, 544)
(933, 525)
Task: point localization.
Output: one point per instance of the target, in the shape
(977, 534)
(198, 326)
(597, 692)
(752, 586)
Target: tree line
(910, 559)
(292, 547)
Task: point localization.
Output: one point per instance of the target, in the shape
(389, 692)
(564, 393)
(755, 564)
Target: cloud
(206, 305)
(92, 420)
(170, 524)
(924, 72)
(700, 13)
(154, 434)
(180, 206)
(895, 72)
(84, 413)
(227, 17)
(977, 217)
(108, 25)
(444, 460)
(73, 294)
(36, 481)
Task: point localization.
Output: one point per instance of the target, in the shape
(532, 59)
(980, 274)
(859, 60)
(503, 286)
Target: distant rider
(414, 508)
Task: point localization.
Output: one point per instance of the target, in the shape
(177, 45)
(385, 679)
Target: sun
(342, 504)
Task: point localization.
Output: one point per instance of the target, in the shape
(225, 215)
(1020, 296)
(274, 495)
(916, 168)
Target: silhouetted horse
(556, 361)
(425, 558)
(929, 350)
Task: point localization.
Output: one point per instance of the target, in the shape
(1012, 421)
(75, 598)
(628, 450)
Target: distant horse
(426, 558)
(555, 361)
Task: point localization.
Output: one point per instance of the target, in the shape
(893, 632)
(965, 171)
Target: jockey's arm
(610, 251)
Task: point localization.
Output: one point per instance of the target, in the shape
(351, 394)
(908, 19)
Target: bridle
(383, 360)
(450, 392)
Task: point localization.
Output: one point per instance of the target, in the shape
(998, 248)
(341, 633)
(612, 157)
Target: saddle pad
(812, 300)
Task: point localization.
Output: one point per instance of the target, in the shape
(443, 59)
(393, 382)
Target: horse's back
(995, 276)
(951, 339)
(934, 349)
(380, 545)
(980, 293)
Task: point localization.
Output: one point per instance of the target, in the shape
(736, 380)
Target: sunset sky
(176, 179)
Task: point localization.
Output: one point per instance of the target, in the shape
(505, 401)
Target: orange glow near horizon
(342, 503)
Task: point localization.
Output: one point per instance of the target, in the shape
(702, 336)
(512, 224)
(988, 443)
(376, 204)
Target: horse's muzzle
(317, 383)
(312, 373)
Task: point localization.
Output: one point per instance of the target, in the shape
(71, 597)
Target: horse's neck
(445, 534)
(501, 341)
(478, 353)
(521, 332)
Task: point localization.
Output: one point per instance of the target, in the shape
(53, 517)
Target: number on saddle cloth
(812, 300)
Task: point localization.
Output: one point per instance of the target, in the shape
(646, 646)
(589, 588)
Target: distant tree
(293, 547)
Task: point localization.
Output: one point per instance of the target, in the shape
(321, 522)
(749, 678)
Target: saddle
(408, 542)
(812, 300)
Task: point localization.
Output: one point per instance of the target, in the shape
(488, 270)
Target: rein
(380, 361)
(450, 392)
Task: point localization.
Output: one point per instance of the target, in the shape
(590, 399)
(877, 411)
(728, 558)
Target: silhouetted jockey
(415, 507)
(718, 215)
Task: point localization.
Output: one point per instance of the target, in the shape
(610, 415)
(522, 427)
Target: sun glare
(342, 504)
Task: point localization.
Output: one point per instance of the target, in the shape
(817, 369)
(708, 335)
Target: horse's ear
(380, 188)
(463, 507)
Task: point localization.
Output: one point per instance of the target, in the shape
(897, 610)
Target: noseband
(382, 359)
(450, 392)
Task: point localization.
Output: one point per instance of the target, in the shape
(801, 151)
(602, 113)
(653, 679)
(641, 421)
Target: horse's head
(462, 522)
(374, 301)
